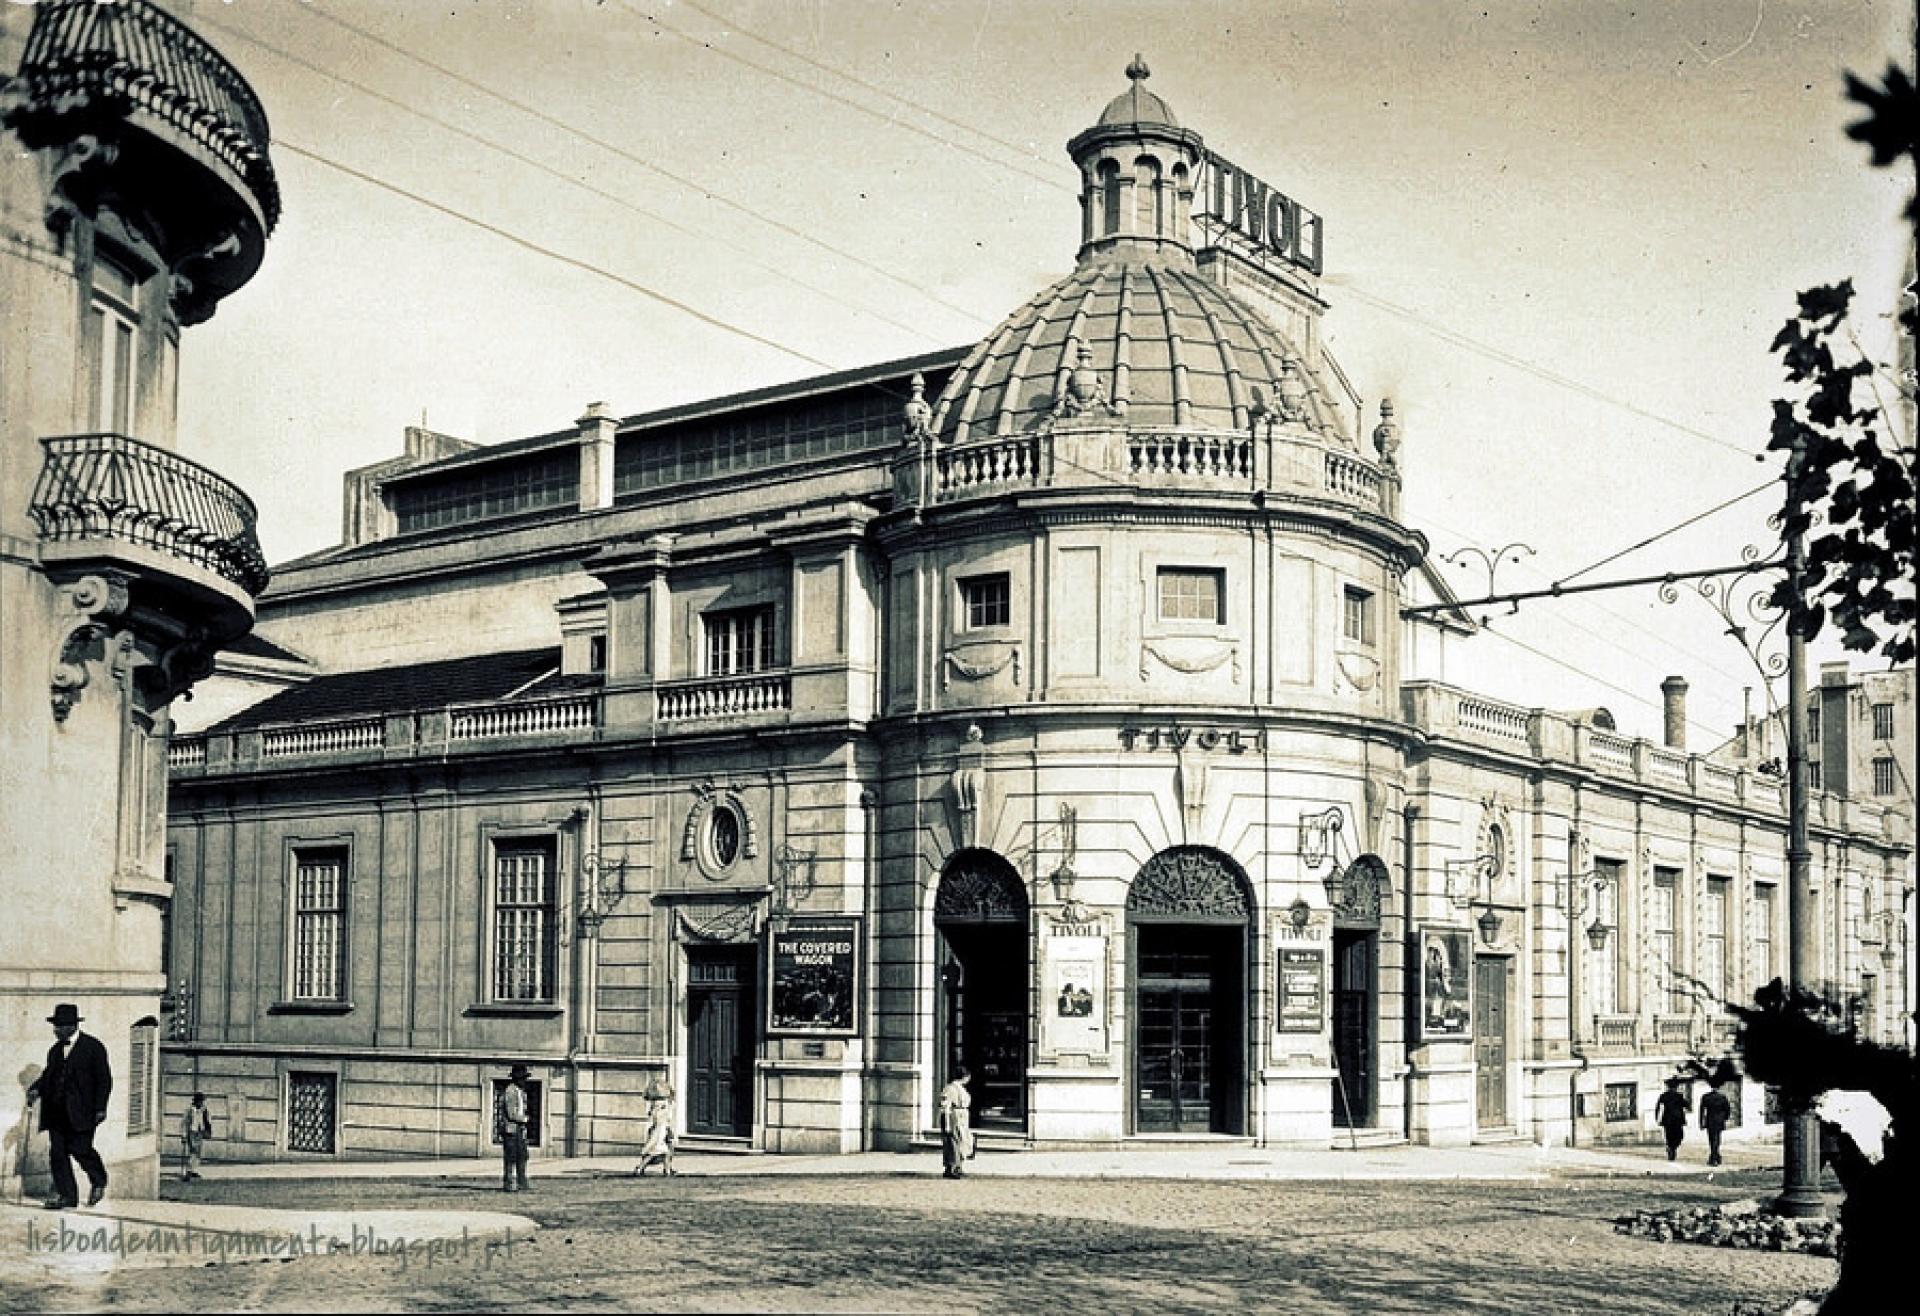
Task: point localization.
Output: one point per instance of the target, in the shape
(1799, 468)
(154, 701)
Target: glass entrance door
(1353, 1013)
(1185, 1043)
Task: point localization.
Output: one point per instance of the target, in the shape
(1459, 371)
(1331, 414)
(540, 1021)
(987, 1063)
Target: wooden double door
(721, 1036)
(1492, 975)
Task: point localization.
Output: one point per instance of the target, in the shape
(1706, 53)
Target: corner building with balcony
(1044, 708)
(135, 194)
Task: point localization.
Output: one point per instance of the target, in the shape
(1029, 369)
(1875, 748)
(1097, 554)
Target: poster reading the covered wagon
(813, 987)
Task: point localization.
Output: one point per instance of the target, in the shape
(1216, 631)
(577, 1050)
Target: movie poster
(813, 988)
(1302, 989)
(1073, 994)
(1446, 984)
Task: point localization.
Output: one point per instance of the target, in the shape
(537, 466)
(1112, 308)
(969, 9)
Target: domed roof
(1136, 104)
(1168, 347)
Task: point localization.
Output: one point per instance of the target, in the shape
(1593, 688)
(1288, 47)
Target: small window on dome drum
(1193, 594)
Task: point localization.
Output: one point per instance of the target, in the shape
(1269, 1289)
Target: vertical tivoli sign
(1271, 224)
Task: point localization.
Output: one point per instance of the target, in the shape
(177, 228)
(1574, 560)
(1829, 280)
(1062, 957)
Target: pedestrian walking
(1715, 1111)
(658, 1141)
(196, 1128)
(956, 1125)
(1671, 1112)
(72, 1091)
(510, 1122)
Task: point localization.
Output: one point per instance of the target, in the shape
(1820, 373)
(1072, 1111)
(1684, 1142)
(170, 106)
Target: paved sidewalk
(1517, 1161)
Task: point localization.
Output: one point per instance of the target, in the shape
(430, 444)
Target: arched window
(1109, 181)
(1149, 199)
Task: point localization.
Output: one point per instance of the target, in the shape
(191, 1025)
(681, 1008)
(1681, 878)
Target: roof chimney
(1673, 691)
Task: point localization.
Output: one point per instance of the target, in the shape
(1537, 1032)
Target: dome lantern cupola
(1138, 168)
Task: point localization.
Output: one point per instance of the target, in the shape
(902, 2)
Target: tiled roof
(402, 689)
(255, 645)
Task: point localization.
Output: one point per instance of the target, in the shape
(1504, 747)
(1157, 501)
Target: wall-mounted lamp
(1489, 927)
(1467, 877)
(1318, 835)
(602, 887)
(1581, 893)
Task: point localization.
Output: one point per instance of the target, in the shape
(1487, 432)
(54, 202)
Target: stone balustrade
(1616, 1032)
(1077, 455)
(724, 696)
(532, 717)
(1448, 713)
(1672, 1032)
(305, 739)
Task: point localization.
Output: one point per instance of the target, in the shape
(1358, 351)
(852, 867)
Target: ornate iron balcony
(105, 58)
(107, 486)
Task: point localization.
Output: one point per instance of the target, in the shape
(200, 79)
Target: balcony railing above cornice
(107, 57)
(1072, 455)
(1445, 713)
(110, 487)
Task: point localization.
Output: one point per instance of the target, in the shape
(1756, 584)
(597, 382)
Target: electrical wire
(1049, 180)
(530, 161)
(613, 148)
(573, 261)
(1654, 539)
(1025, 151)
(1541, 372)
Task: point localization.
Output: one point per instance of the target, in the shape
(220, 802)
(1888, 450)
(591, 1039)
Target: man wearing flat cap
(510, 1119)
(72, 1092)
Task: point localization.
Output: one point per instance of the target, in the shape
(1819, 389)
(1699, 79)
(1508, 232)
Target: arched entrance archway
(981, 923)
(1188, 912)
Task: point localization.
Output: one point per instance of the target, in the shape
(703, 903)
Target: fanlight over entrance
(1189, 884)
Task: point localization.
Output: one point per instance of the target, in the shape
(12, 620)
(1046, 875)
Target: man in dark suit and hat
(72, 1092)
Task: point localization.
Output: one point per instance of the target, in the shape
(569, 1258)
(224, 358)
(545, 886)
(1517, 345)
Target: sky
(1561, 236)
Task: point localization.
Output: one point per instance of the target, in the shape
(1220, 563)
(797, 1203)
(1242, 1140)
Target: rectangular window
(1883, 721)
(739, 641)
(1622, 1102)
(1713, 945)
(112, 332)
(1813, 720)
(1883, 770)
(1813, 776)
(1869, 1017)
(524, 922)
(1193, 594)
(1606, 912)
(596, 653)
(1763, 910)
(311, 1101)
(319, 924)
(1357, 623)
(986, 601)
(1666, 979)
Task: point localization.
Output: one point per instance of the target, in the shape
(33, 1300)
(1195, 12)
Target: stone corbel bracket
(91, 603)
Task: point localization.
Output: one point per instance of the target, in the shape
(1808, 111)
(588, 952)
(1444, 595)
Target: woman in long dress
(658, 1143)
(956, 1125)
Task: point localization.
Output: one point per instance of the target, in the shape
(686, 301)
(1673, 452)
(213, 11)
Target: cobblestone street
(915, 1242)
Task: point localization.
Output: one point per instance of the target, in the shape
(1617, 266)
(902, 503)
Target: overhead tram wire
(1541, 372)
(743, 252)
(1024, 151)
(1459, 339)
(281, 143)
(1675, 529)
(613, 148)
(1050, 180)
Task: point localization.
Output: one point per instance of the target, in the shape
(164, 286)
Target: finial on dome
(1138, 70)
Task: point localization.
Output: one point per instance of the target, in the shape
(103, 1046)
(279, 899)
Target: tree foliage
(1851, 477)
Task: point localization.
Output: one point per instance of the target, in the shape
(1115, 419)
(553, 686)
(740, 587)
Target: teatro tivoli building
(1044, 707)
